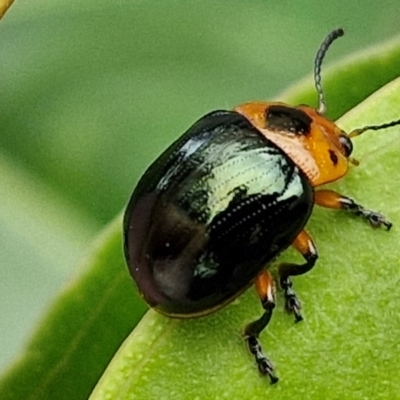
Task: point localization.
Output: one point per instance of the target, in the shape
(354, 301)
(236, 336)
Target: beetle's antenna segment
(359, 131)
(317, 66)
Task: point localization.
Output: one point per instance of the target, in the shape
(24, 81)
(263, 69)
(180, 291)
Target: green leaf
(347, 347)
(81, 331)
(41, 237)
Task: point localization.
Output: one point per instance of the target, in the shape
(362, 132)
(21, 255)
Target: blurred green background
(91, 92)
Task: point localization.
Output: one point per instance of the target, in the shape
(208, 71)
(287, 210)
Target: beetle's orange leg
(305, 245)
(331, 199)
(265, 286)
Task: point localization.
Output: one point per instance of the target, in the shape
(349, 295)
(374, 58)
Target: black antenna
(359, 131)
(317, 66)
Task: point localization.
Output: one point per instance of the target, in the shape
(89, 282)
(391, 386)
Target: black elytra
(210, 213)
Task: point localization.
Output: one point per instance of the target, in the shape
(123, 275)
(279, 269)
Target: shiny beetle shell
(213, 210)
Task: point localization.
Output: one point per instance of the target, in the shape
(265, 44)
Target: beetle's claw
(297, 315)
(265, 366)
(274, 379)
(377, 220)
(293, 306)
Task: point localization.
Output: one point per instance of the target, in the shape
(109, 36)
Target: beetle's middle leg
(265, 286)
(305, 245)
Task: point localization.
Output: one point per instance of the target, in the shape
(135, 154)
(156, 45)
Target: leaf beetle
(209, 216)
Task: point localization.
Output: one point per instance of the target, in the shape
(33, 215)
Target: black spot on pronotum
(333, 157)
(288, 119)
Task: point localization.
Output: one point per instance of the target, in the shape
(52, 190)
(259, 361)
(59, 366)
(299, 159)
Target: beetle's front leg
(265, 286)
(331, 199)
(305, 245)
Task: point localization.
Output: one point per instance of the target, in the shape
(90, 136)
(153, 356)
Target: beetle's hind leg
(331, 199)
(305, 245)
(265, 286)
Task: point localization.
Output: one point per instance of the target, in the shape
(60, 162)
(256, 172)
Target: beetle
(209, 216)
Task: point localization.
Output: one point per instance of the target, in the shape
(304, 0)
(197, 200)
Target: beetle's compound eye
(288, 119)
(347, 145)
